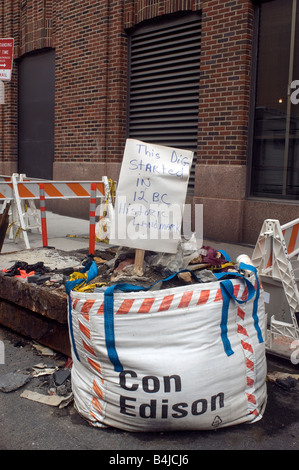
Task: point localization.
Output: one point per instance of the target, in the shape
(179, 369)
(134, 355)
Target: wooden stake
(138, 265)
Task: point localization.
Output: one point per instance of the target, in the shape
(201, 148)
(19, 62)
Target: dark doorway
(36, 103)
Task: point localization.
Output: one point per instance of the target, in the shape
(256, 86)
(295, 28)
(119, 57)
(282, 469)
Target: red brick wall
(137, 11)
(8, 111)
(225, 81)
(91, 73)
(35, 24)
(84, 73)
(90, 41)
(91, 77)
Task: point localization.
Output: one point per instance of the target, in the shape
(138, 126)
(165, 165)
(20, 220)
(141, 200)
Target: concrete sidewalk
(64, 233)
(69, 234)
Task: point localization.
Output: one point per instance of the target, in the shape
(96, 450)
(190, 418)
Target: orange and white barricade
(25, 208)
(6, 191)
(42, 190)
(7, 197)
(276, 258)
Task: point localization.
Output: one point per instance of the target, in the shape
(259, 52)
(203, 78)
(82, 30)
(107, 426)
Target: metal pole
(43, 214)
(92, 218)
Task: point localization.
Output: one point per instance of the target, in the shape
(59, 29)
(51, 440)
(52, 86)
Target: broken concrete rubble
(37, 310)
(35, 305)
(61, 376)
(47, 382)
(52, 400)
(284, 380)
(200, 265)
(12, 381)
(57, 390)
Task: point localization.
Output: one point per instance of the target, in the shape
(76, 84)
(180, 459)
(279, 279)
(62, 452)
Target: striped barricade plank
(59, 189)
(6, 188)
(291, 237)
(290, 233)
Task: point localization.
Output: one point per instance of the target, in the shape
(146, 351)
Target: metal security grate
(164, 84)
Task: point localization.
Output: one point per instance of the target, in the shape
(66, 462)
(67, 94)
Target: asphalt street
(29, 425)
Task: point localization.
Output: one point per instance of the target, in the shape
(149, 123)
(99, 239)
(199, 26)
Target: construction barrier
(43, 214)
(7, 195)
(6, 188)
(92, 217)
(276, 257)
(288, 237)
(20, 189)
(59, 189)
(21, 210)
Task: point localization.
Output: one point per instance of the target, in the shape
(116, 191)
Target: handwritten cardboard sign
(150, 197)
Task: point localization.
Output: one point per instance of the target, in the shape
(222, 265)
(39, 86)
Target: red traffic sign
(6, 58)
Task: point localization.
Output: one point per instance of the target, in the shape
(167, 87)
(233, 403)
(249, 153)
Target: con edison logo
(160, 408)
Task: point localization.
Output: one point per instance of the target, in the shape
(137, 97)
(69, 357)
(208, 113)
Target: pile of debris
(188, 265)
(47, 382)
(41, 266)
(116, 265)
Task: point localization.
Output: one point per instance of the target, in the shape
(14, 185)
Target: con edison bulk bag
(185, 358)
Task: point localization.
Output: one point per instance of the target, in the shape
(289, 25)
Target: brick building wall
(91, 56)
(8, 111)
(224, 115)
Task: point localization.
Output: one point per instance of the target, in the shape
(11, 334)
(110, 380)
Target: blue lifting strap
(227, 290)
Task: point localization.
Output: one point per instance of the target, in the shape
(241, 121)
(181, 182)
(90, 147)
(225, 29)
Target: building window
(275, 150)
(164, 72)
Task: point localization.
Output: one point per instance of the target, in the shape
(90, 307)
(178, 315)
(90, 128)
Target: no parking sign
(6, 58)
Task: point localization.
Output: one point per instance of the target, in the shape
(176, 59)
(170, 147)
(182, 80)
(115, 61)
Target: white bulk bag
(185, 358)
